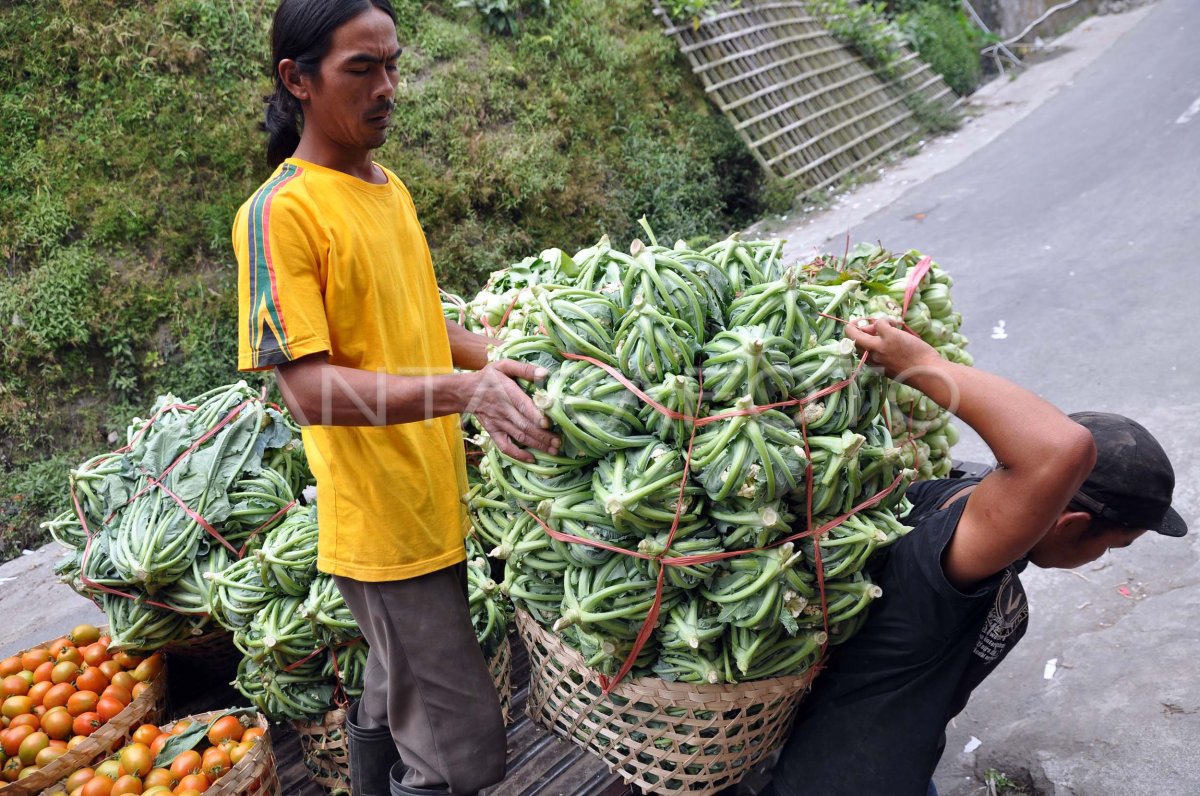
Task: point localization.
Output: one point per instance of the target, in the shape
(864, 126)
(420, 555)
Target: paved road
(1078, 232)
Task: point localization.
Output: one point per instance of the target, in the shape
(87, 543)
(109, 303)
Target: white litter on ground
(1051, 668)
(972, 745)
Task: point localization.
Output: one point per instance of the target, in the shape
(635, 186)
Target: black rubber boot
(400, 789)
(372, 755)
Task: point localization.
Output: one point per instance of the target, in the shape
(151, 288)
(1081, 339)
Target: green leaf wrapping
(748, 361)
(593, 412)
(758, 457)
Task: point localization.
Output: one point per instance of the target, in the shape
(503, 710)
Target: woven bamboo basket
(323, 741)
(214, 648)
(148, 708)
(255, 774)
(666, 738)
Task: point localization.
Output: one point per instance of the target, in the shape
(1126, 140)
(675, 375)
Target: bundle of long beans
(717, 407)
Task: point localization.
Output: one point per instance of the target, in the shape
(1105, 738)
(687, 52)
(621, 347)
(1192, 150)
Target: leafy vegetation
(130, 139)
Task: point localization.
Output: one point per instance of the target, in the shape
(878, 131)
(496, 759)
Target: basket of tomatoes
(71, 702)
(222, 753)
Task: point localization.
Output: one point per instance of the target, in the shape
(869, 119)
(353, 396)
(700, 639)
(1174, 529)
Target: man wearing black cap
(1065, 491)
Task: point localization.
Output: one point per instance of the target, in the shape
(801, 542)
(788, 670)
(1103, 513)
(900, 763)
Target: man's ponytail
(302, 31)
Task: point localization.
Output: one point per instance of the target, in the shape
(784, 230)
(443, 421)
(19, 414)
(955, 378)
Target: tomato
(124, 680)
(84, 635)
(91, 679)
(58, 695)
(240, 751)
(110, 667)
(14, 686)
(180, 726)
(158, 790)
(12, 769)
(76, 740)
(78, 778)
(158, 743)
(44, 672)
(127, 661)
(215, 763)
(127, 784)
(48, 756)
(186, 763)
(16, 705)
(33, 743)
(57, 724)
(105, 640)
(253, 733)
(82, 702)
(136, 759)
(139, 689)
(192, 783)
(224, 729)
(148, 669)
(71, 655)
(159, 777)
(31, 659)
(28, 719)
(146, 733)
(58, 647)
(10, 665)
(122, 695)
(94, 654)
(37, 691)
(98, 785)
(110, 768)
(87, 723)
(11, 739)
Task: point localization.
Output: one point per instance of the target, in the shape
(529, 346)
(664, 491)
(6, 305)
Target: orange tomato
(110, 768)
(16, 705)
(158, 743)
(75, 739)
(10, 739)
(32, 745)
(10, 665)
(119, 693)
(37, 692)
(185, 764)
(193, 783)
(108, 707)
(110, 667)
(64, 672)
(215, 763)
(91, 679)
(253, 733)
(127, 661)
(105, 640)
(48, 756)
(124, 680)
(84, 635)
(180, 726)
(136, 759)
(44, 671)
(82, 702)
(224, 729)
(57, 724)
(58, 695)
(98, 785)
(159, 777)
(71, 655)
(14, 686)
(240, 751)
(59, 646)
(28, 719)
(146, 733)
(127, 784)
(94, 654)
(32, 659)
(87, 723)
(78, 778)
(12, 769)
(158, 790)
(148, 669)
(139, 689)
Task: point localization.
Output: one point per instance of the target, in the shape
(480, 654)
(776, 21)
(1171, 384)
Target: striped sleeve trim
(268, 331)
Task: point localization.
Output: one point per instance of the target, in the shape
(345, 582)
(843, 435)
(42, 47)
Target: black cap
(1132, 481)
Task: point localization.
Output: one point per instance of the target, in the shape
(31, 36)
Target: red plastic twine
(914, 280)
(651, 622)
(157, 482)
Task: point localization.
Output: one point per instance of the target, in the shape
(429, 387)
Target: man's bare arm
(1044, 456)
(469, 350)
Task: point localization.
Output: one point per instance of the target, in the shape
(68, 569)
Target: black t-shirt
(876, 718)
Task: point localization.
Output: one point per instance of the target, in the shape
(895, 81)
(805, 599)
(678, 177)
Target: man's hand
(890, 347)
(507, 413)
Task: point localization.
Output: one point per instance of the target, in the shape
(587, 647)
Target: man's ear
(293, 79)
(1072, 525)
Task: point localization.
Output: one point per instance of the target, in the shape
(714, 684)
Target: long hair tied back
(302, 31)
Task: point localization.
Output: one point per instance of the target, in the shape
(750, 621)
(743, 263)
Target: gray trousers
(427, 680)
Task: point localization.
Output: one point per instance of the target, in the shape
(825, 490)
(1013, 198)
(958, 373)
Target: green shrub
(946, 41)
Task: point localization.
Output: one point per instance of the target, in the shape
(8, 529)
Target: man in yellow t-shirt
(337, 293)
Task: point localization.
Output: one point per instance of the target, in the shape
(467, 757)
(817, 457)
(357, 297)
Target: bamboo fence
(808, 108)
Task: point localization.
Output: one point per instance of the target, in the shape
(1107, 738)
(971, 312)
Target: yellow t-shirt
(330, 263)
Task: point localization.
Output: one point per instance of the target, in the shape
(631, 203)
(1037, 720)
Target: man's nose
(385, 89)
